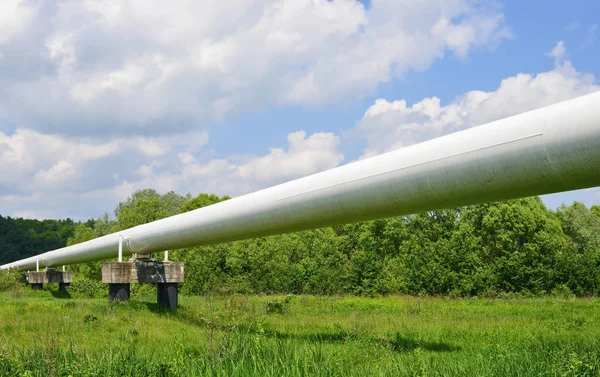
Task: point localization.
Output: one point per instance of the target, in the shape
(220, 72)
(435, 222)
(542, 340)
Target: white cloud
(50, 176)
(35, 162)
(108, 96)
(55, 205)
(15, 16)
(391, 125)
(186, 158)
(83, 67)
(304, 155)
(99, 97)
(29, 214)
(559, 53)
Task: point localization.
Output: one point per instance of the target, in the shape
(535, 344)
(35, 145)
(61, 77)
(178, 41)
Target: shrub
(88, 288)
(9, 279)
(274, 307)
(143, 290)
(562, 291)
(90, 319)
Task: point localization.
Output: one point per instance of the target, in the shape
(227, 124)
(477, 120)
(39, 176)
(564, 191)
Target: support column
(167, 295)
(118, 277)
(63, 278)
(37, 279)
(119, 291)
(167, 275)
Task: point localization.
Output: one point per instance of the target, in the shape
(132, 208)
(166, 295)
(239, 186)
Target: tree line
(514, 246)
(22, 238)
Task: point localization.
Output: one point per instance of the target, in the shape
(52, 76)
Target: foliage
(170, 202)
(578, 266)
(144, 206)
(9, 279)
(22, 238)
(494, 249)
(516, 246)
(87, 288)
(202, 200)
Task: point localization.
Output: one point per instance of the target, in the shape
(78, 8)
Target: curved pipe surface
(552, 149)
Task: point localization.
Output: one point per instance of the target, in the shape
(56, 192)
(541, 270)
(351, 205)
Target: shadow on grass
(157, 309)
(315, 336)
(396, 342)
(60, 294)
(404, 343)
(250, 329)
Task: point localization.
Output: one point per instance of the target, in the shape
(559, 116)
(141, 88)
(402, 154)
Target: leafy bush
(274, 307)
(88, 319)
(9, 279)
(562, 291)
(143, 290)
(88, 288)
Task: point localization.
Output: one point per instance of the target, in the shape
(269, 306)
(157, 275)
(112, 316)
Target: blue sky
(98, 99)
(447, 78)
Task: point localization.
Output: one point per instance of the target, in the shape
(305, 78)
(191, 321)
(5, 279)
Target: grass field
(42, 335)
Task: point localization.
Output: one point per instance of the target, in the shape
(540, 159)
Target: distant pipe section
(552, 149)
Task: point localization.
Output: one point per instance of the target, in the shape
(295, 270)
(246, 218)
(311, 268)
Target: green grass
(42, 335)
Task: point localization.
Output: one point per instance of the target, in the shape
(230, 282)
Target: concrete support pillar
(167, 295)
(119, 291)
(63, 286)
(118, 277)
(167, 275)
(37, 279)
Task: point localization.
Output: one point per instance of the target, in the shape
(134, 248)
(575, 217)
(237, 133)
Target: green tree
(509, 246)
(427, 252)
(519, 243)
(144, 206)
(578, 267)
(202, 200)
(21, 238)
(104, 225)
(171, 202)
(580, 223)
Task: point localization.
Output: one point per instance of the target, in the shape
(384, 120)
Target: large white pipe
(553, 149)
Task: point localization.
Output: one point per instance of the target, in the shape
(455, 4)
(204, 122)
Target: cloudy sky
(102, 97)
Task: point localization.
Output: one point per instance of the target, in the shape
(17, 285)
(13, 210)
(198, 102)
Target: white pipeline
(556, 148)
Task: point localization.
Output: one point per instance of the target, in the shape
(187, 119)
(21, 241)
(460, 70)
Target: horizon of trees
(514, 246)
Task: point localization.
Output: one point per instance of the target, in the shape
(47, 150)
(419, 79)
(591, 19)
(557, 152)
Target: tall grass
(305, 336)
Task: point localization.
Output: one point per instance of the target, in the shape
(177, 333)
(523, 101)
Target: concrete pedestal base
(119, 292)
(167, 275)
(51, 275)
(167, 295)
(63, 286)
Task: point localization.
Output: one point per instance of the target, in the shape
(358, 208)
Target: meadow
(47, 334)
